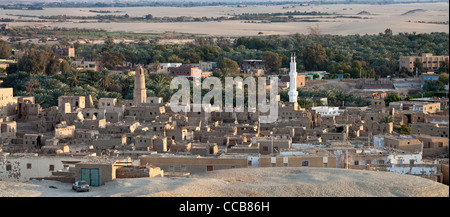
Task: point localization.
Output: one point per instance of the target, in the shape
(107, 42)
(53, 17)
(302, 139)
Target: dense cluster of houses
(143, 137)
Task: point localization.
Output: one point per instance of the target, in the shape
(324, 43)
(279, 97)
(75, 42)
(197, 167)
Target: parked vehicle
(80, 186)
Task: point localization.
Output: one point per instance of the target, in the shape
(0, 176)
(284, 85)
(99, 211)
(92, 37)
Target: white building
(164, 67)
(326, 110)
(22, 167)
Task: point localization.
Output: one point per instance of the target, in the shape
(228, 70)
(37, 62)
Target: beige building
(432, 129)
(425, 107)
(65, 52)
(147, 112)
(310, 157)
(430, 62)
(301, 80)
(433, 146)
(85, 136)
(153, 143)
(204, 149)
(33, 140)
(8, 103)
(403, 143)
(94, 65)
(193, 163)
(185, 71)
(97, 171)
(8, 131)
(107, 103)
(272, 144)
(75, 102)
(63, 130)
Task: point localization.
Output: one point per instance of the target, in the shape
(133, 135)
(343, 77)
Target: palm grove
(37, 72)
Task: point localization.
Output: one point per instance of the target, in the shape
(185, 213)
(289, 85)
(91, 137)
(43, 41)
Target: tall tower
(293, 93)
(140, 92)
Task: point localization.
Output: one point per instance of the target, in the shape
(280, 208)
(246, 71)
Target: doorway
(91, 176)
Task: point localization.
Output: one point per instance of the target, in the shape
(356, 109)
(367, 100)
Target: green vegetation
(104, 12)
(433, 86)
(392, 98)
(352, 55)
(403, 129)
(387, 119)
(5, 50)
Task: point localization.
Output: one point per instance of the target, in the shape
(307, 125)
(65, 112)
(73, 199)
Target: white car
(80, 186)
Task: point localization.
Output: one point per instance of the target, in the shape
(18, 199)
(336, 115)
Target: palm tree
(340, 97)
(31, 84)
(387, 119)
(74, 77)
(105, 80)
(331, 96)
(160, 85)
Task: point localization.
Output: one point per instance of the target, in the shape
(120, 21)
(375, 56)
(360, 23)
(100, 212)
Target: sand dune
(381, 17)
(260, 182)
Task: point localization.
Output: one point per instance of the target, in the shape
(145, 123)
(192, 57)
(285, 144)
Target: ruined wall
(138, 172)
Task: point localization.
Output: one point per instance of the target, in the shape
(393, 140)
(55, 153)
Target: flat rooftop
(188, 155)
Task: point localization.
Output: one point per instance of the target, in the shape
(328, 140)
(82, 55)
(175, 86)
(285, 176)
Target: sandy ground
(260, 182)
(381, 17)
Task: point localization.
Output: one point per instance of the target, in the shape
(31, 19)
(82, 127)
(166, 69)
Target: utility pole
(346, 159)
(271, 147)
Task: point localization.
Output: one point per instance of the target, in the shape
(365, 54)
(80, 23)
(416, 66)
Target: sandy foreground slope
(259, 182)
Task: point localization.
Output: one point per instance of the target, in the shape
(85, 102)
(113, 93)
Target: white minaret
(293, 93)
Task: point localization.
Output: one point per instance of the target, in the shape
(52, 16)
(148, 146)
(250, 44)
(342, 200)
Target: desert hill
(415, 11)
(364, 13)
(251, 182)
